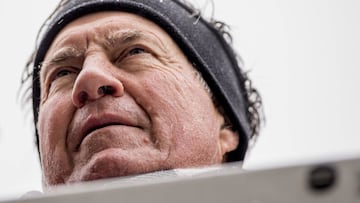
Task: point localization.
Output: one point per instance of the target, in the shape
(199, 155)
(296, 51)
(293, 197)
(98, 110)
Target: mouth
(92, 129)
(94, 124)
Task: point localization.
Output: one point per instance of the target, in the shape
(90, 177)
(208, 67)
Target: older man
(124, 87)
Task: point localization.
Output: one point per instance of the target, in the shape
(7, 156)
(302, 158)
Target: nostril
(106, 89)
(83, 96)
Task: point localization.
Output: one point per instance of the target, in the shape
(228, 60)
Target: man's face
(119, 98)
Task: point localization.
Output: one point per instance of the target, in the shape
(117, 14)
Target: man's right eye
(63, 72)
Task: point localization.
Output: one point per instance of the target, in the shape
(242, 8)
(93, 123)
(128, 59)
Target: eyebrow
(63, 54)
(115, 37)
(122, 37)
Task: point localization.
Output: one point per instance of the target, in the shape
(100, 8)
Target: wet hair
(217, 62)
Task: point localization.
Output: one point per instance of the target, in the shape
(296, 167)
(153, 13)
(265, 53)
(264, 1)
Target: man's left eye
(135, 51)
(131, 52)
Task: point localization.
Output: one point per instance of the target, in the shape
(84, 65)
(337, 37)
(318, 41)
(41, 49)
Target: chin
(115, 162)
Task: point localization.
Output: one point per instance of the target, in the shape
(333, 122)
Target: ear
(228, 141)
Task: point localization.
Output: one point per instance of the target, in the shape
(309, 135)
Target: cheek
(55, 113)
(54, 116)
(184, 119)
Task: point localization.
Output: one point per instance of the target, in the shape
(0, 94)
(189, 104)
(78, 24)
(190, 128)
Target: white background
(303, 56)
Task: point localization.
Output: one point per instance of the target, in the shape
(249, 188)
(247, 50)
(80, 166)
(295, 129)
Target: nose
(94, 81)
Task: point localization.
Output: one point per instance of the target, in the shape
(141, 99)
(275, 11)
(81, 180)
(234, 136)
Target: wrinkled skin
(154, 113)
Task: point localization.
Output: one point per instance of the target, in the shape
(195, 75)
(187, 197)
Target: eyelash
(62, 72)
(131, 52)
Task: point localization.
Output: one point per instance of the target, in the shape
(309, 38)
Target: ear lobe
(229, 140)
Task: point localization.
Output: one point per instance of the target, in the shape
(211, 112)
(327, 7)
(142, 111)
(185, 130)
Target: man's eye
(132, 52)
(63, 72)
(135, 51)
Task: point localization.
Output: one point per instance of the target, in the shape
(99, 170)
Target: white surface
(303, 57)
(227, 183)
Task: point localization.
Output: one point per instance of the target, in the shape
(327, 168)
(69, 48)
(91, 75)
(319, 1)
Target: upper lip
(93, 123)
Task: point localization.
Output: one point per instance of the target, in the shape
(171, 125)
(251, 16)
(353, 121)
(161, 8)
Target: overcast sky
(303, 56)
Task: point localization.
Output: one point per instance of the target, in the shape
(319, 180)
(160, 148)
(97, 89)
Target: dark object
(322, 178)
